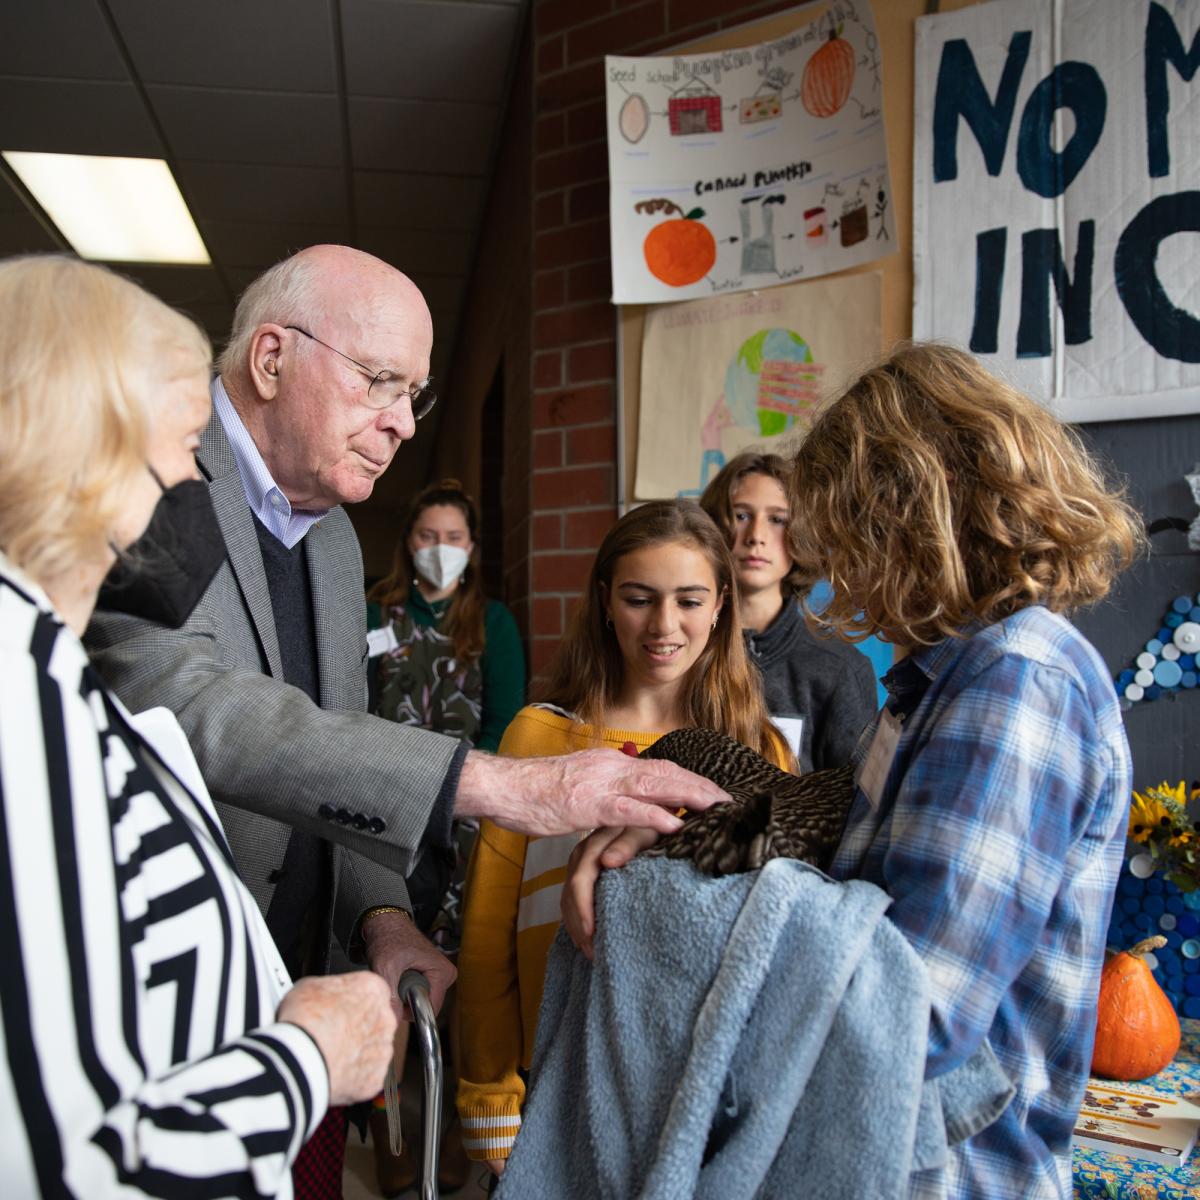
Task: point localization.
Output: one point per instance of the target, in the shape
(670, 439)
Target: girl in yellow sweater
(656, 645)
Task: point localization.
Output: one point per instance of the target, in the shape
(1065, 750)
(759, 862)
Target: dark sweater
(828, 683)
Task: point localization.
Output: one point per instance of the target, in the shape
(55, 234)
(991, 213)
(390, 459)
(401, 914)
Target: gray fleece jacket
(828, 683)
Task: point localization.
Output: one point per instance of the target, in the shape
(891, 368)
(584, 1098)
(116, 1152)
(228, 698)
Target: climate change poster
(1056, 198)
(728, 373)
(745, 168)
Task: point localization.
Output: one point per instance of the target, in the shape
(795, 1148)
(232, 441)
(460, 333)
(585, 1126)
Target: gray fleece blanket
(739, 1037)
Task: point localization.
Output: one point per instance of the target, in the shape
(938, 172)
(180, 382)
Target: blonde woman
(656, 646)
(154, 1043)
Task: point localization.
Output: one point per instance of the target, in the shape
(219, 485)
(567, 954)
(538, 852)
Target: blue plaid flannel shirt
(998, 834)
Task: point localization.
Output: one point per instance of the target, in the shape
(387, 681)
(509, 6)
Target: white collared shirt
(266, 501)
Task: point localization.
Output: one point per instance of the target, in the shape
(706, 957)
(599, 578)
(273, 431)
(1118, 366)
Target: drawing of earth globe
(762, 379)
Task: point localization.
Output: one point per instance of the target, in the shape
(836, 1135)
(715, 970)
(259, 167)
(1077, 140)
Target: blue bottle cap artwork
(1167, 922)
(1187, 924)
(1191, 1006)
(1146, 660)
(1194, 615)
(1131, 904)
(1187, 680)
(1153, 692)
(1144, 676)
(1170, 652)
(1154, 884)
(1186, 637)
(1154, 905)
(1191, 985)
(1141, 866)
(1191, 900)
(1174, 905)
(1182, 604)
(1190, 948)
(1173, 621)
(1167, 674)
(1135, 691)
(1153, 648)
(1186, 661)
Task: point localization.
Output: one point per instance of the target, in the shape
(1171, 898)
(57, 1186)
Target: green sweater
(502, 664)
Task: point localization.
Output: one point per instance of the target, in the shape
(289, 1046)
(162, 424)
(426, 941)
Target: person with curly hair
(961, 521)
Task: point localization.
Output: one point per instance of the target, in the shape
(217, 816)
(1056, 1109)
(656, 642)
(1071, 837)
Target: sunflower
(1148, 815)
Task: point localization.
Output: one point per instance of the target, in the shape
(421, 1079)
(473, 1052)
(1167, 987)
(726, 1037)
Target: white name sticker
(791, 728)
(380, 641)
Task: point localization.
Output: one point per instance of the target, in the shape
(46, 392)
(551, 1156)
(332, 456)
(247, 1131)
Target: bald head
(309, 337)
(310, 285)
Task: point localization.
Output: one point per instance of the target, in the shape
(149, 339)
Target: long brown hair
(464, 623)
(721, 691)
(931, 494)
(717, 501)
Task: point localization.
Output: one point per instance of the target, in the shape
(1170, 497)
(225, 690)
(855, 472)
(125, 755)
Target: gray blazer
(271, 758)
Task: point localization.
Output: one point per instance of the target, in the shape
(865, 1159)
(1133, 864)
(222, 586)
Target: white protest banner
(732, 372)
(745, 168)
(1057, 162)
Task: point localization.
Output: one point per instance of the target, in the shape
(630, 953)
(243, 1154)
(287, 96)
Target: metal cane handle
(414, 991)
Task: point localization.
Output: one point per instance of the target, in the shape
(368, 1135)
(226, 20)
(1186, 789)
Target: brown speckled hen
(771, 815)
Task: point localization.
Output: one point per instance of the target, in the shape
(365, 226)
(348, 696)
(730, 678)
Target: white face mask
(441, 565)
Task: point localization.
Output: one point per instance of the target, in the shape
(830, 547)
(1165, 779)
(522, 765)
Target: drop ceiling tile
(236, 192)
(210, 125)
(437, 51)
(421, 135)
(64, 38)
(21, 233)
(259, 244)
(178, 286)
(68, 117)
(438, 202)
(274, 45)
(415, 251)
(440, 291)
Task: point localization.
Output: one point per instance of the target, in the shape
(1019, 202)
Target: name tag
(380, 641)
(878, 762)
(791, 728)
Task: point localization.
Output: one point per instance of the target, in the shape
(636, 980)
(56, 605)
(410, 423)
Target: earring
(715, 620)
(608, 622)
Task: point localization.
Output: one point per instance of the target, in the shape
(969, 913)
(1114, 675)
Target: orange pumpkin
(828, 77)
(1137, 1031)
(678, 252)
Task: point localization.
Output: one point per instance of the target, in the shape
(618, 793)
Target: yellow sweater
(511, 916)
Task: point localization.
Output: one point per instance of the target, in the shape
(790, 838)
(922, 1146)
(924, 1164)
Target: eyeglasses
(386, 387)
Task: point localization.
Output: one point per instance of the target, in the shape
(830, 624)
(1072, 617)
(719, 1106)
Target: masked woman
(446, 658)
(656, 646)
(153, 1042)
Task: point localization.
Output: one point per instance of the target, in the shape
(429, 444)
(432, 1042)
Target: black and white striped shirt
(139, 1054)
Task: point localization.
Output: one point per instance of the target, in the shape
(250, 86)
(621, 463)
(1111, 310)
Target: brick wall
(573, 432)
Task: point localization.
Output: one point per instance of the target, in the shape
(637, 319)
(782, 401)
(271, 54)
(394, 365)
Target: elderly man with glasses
(325, 807)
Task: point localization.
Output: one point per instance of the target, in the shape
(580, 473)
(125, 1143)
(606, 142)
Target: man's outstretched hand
(549, 796)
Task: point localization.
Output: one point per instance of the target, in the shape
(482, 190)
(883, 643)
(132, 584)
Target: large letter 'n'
(960, 93)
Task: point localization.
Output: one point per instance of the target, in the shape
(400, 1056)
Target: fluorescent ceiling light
(112, 209)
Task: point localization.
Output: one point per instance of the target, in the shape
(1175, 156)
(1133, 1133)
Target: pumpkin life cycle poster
(727, 373)
(749, 167)
(1056, 199)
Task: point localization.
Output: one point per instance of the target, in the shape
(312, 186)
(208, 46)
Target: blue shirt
(997, 831)
(266, 501)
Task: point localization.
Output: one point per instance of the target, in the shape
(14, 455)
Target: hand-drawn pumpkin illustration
(678, 252)
(828, 77)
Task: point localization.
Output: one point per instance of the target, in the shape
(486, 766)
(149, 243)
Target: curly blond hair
(932, 494)
(83, 356)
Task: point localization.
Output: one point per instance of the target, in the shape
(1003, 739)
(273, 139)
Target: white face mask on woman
(441, 565)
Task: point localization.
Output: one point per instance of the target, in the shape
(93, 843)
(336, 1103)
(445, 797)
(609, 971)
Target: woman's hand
(350, 1018)
(604, 849)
